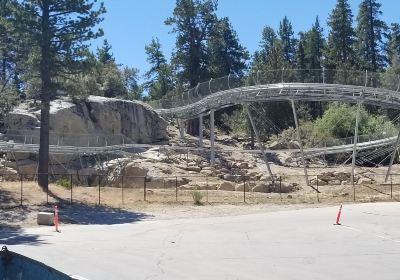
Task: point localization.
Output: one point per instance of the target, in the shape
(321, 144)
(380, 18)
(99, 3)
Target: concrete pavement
(295, 244)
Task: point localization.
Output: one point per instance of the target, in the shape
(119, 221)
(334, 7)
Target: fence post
(70, 184)
(47, 194)
(280, 187)
(176, 189)
(391, 187)
(20, 177)
(317, 190)
(144, 188)
(99, 187)
(244, 189)
(354, 189)
(122, 190)
(207, 188)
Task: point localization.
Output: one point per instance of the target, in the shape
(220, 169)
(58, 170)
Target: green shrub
(64, 182)
(197, 197)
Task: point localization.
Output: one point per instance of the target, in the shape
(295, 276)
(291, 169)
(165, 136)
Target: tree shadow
(11, 232)
(83, 214)
(8, 200)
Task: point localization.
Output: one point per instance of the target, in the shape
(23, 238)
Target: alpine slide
(357, 87)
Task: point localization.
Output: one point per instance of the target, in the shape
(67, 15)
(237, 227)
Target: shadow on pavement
(11, 232)
(12, 220)
(98, 215)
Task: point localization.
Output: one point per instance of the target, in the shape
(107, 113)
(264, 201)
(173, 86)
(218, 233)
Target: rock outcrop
(135, 121)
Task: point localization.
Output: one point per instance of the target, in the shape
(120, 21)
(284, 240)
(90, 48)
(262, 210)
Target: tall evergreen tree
(340, 47)
(60, 30)
(159, 79)
(104, 53)
(287, 40)
(313, 46)
(268, 39)
(301, 56)
(192, 22)
(227, 55)
(394, 45)
(12, 46)
(370, 34)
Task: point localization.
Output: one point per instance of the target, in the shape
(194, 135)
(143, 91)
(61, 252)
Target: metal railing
(381, 80)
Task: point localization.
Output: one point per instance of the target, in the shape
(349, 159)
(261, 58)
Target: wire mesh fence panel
(371, 187)
(33, 194)
(335, 192)
(128, 191)
(132, 190)
(395, 186)
(60, 189)
(11, 191)
(160, 189)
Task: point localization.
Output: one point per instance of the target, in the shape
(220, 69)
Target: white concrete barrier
(45, 218)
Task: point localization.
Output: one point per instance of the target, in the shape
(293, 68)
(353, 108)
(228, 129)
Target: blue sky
(130, 24)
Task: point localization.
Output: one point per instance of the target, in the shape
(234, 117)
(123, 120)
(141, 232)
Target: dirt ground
(91, 205)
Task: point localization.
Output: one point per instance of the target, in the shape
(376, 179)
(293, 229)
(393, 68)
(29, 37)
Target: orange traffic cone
(338, 216)
(56, 217)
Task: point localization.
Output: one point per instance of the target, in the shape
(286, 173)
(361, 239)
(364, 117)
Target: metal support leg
(353, 161)
(296, 121)
(181, 130)
(260, 145)
(201, 131)
(392, 157)
(212, 137)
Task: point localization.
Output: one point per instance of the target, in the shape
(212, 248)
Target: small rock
(240, 187)
(364, 180)
(260, 188)
(334, 182)
(226, 186)
(232, 178)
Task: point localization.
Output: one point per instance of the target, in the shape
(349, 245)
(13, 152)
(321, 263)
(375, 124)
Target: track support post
(353, 161)
(303, 161)
(260, 145)
(393, 156)
(201, 131)
(212, 137)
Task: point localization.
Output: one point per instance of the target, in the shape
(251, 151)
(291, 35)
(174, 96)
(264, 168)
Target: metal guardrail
(380, 89)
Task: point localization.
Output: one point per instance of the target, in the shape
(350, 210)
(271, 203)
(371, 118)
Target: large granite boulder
(87, 122)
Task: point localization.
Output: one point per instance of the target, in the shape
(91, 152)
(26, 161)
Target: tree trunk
(43, 170)
(45, 76)
(192, 127)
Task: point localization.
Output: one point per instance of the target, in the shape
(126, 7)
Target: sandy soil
(163, 203)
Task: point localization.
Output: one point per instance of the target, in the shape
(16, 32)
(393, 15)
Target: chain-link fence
(127, 191)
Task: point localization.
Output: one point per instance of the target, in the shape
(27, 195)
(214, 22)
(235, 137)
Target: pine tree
(104, 53)
(370, 34)
(192, 22)
(268, 39)
(159, 79)
(59, 29)
(340, 47)
(301, 57)
(313, 46)
(287, 40)
(227, 55)
(11, 44)
(394, 45)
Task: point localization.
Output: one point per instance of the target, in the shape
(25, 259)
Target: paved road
(296, 244)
